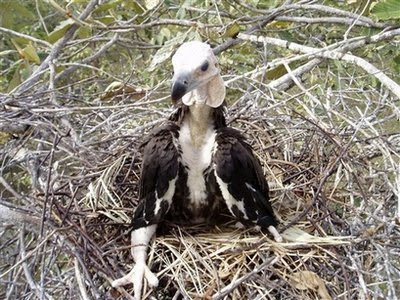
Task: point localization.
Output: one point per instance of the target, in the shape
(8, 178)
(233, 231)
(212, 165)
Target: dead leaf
(304, 280)
(117, 88)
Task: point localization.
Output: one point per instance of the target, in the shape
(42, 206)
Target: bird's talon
(136, 276)
(151, 278)
(124, 280)
(275, 234)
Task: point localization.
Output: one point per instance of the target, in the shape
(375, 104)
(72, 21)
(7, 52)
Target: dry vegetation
(324, 125)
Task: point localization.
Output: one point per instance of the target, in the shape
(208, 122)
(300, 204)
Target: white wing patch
(229, 199)
(167, 196)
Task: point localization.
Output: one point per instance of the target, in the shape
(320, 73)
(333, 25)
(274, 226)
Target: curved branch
(336, 54)
(25, 36)
(330, 20)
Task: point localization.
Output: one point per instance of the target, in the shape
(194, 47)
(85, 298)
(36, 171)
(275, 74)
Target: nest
(332, 174)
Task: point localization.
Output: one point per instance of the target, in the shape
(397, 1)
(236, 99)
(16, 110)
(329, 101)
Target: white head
(195, 65)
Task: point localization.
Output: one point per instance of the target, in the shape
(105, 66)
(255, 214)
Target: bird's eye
(204, 66)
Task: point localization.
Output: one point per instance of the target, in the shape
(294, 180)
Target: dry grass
(331, 158)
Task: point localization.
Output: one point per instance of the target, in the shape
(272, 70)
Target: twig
(161, 22)
(29, 254)
(25, 36)
(315, 52)
(329, 20)
(28, 274)
(87, 60)
(56, 140)
(286, 81)
(55, 51)
(233, 285)
(10, 188)
(79, 279)
(329, 10)
(234, 41)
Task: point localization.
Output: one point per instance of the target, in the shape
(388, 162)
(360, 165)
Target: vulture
(195, 166)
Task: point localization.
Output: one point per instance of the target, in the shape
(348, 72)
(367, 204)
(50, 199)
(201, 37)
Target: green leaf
(165, 51)
(15, 81)
(396, 60)
(181, 13)
(136, 7)
(106, 6)
(387, 9)
(276, 72)
(232, 30)
(6, 15)
(30, 54)
(60, 30)
(17, 46)
(84, 32)
(106, 20)
(21, 10)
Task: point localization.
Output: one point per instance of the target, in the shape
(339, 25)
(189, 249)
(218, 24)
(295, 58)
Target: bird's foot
(239, 225)
(277, 237)
(136, 276)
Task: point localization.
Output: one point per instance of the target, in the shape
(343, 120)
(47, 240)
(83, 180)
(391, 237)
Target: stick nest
(333, 172)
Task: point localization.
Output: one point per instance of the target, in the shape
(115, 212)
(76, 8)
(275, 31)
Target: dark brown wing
(158, 176)
(241, 180)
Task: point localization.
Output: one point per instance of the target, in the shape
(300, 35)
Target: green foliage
(386, 9)
(60, 30)
(12, 12)
(232, 30)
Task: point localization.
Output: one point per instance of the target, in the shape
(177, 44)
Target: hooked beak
(180, 86)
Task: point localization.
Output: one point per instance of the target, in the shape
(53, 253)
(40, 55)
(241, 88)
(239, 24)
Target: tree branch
(55, 51)
(87, 60)
(333, 54)
(25, 36)
(330, 20)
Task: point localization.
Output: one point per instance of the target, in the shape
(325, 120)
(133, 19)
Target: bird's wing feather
(158, 176)
(241, 180)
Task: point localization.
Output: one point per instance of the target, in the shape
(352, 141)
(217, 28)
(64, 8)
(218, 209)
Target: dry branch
(332, 54)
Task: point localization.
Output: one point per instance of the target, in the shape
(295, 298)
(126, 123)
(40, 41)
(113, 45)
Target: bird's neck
(199, 117)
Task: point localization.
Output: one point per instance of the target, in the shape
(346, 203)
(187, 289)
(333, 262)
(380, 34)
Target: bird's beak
(180, 86)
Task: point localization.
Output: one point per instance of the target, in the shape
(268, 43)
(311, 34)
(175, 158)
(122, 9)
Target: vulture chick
(194, 166)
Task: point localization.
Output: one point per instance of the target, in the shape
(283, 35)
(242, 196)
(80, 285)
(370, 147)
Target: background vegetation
(315, 86)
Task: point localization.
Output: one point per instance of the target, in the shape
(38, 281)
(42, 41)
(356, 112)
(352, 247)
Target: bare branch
(87, 60)
(329, 20)
(324, 53)
(25, 36)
